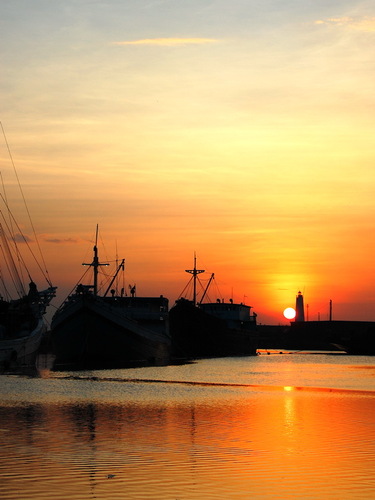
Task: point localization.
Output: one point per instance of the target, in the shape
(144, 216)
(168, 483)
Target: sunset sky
(241, 130)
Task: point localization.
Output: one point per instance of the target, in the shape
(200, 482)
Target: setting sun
(289, 313)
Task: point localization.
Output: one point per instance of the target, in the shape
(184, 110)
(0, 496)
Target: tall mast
(95, 263)
(195, 272)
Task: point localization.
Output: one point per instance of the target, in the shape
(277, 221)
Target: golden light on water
(289, 313)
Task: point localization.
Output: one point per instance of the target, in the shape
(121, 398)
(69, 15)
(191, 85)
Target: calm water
(272, 427)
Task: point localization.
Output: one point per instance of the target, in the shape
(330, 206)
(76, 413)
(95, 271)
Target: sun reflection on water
(288, 388)
(85, 436)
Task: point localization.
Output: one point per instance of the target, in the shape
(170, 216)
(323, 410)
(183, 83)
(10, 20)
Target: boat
(211, 329)
(111, 330)
(22, 306)
(22, 328)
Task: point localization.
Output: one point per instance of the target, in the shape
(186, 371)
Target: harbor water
(273, 426)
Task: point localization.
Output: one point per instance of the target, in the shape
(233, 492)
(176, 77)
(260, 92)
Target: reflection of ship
(211, 329)
(106, 331)
(21, 311)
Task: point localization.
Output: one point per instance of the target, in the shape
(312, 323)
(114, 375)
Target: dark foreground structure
(211, 329)
(353, 337)
(93, 331)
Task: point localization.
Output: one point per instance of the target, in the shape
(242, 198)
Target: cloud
(360, 24)
(58, 240)
(168, 42)
(21, 238)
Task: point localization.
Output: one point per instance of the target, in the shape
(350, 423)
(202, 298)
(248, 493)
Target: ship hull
(198, 334)
(90, 332)
(21, 350)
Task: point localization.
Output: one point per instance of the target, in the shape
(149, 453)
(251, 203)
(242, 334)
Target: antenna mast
(195, 273)
(95, 263)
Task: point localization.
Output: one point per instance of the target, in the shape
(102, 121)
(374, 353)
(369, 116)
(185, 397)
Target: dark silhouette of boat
(22, 327)
(22, 307)
(211, 329)
(110, 330)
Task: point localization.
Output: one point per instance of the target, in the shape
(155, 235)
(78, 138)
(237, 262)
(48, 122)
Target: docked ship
(90, 330)
(22, 326)
(211, 329)
(22, 306)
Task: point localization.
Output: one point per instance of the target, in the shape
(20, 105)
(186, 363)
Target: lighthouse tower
(300, 311)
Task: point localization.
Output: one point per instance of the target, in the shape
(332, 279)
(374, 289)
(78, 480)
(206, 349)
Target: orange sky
(248, 139)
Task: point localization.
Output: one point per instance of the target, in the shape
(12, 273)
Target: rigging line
(3, 189)
(21, 264)
(11, 234)
(10, 226)
(8, 294)
(4, 288)
(72, 290)
(186, 287)
(110, 277)
(12, 268)
(102, 246)
(216, 288)
(19, 256)
(11, 231)
(45, 272)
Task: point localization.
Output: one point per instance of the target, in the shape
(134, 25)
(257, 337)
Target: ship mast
(95, 263)
(195, 273)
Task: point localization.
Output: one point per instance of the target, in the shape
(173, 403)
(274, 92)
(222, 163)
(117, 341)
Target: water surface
(273, 426)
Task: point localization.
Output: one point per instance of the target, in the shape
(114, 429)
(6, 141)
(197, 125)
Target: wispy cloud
(359, 24)
(58, 240)
(168, 42)
(21, 238)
